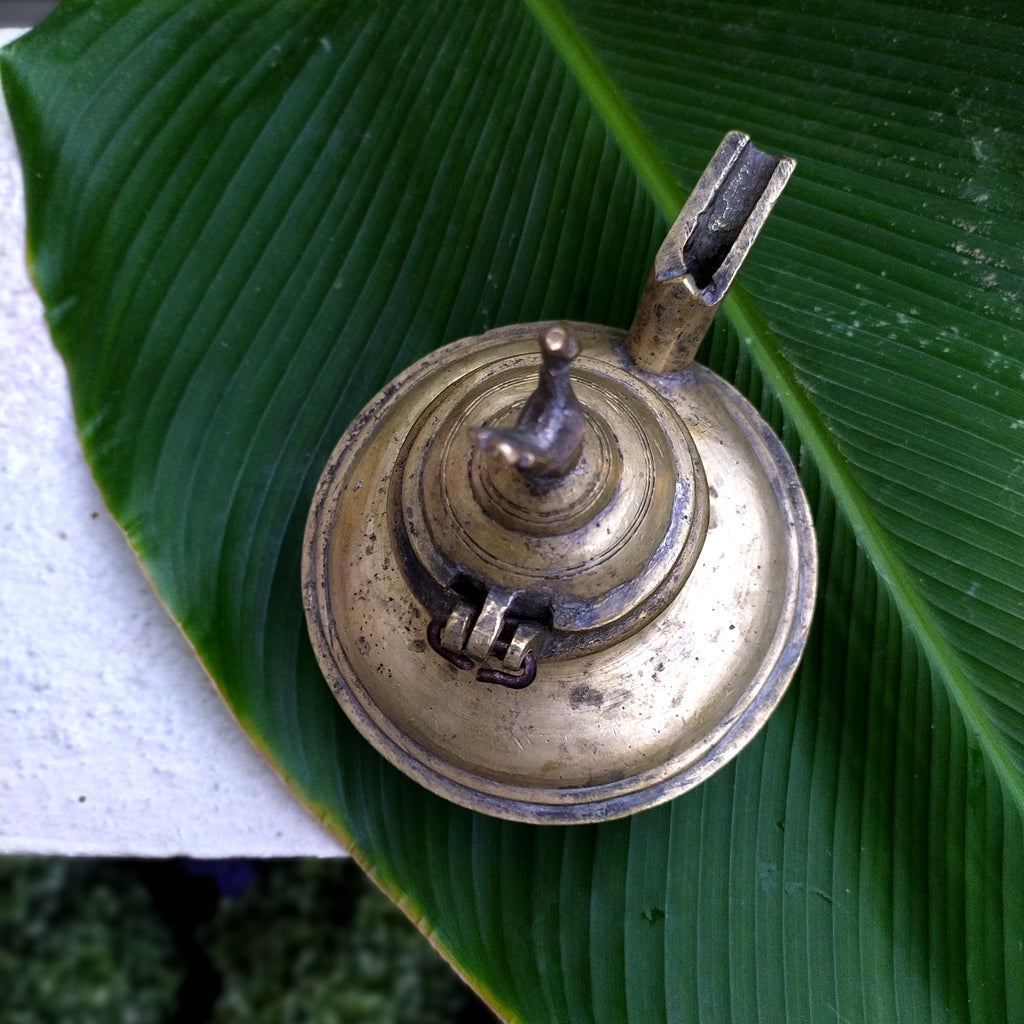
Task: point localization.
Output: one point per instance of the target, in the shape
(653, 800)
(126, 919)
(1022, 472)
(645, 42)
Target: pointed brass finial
(548, 436)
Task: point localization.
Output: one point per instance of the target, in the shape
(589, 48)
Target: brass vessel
(560, 572)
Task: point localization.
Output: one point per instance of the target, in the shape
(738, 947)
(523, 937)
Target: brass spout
(702, 253)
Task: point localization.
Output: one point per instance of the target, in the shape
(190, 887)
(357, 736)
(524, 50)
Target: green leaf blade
(277, 236)
(972, 421)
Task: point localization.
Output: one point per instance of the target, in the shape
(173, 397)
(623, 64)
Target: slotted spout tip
(703, 251)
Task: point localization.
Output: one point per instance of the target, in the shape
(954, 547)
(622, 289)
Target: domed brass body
(564, 597)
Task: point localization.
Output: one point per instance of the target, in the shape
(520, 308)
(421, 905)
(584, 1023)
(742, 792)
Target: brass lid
(568, 596)
(599, 550)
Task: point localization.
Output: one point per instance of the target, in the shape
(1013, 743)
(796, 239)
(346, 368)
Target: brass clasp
(488, 631)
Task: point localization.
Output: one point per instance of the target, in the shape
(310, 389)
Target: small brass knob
(547, 439)
(559, 572)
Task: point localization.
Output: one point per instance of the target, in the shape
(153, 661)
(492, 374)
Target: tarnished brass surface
(559, 573)
(601, 549)
(604, 729)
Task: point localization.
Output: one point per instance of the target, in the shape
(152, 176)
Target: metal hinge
(474, 633)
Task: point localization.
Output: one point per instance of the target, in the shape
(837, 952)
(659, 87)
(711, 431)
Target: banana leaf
(244, 218)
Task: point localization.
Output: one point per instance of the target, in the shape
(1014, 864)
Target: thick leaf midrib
(654, 171)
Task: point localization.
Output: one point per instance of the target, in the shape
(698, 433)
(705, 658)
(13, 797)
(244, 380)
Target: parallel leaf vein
(654, 171)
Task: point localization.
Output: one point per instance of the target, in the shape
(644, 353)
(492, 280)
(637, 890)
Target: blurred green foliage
(298, 948)
(79, 943)
(304, 942)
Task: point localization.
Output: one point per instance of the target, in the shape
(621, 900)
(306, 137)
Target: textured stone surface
(113, 741)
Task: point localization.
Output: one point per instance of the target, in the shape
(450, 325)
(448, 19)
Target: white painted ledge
(113, 741)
